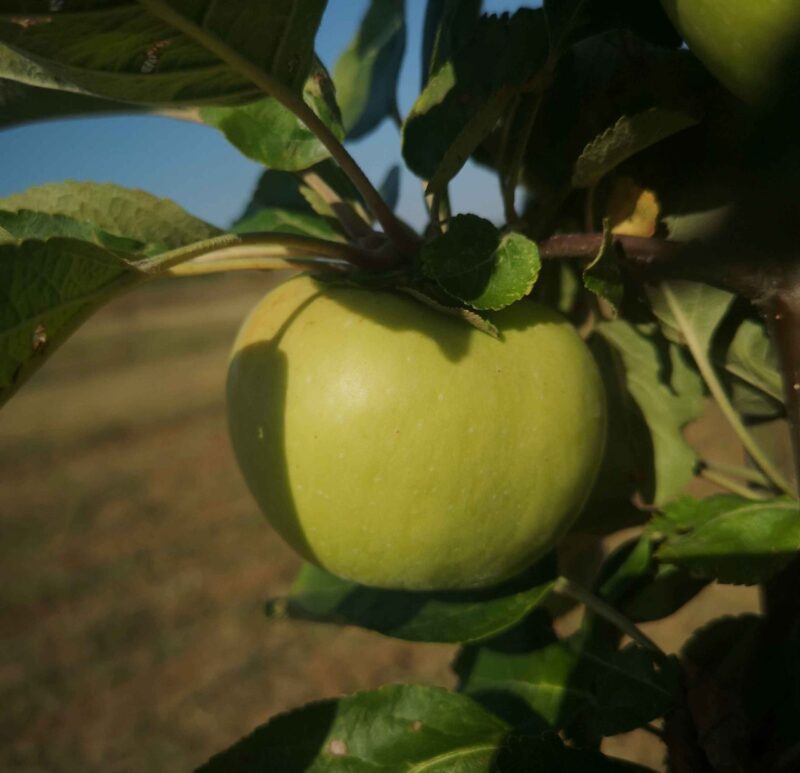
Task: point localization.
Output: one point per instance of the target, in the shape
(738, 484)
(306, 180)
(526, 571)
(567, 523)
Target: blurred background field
(134, 565)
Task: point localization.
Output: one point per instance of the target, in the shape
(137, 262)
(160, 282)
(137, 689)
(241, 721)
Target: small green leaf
(366, 73)
(464, 99)
(668, 392)
(452, 616)
(751, 357)
(124, 51)
(124, 212)
(269, 133)
(728, 538)
(287, 221)
(476, 265)
(628, 136)
(703, 308)
(47, 289)
(603, 275)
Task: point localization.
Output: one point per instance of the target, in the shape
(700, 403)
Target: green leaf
(121, 50)
(452, 616)
(367, 72)
(26, 224)
(47, 288)
(629, 135)
(603, 276)
(595, 82)
(269, 133)
(526, 674)
(448, 25)
(633, 686)
(475, 264)
(133, 214)
(642, 589)
(668, 392)
(290, 191)
(751, 357)
(464, 99)
(703, 307)
(728, 538)
(287, 221)
(402, 728)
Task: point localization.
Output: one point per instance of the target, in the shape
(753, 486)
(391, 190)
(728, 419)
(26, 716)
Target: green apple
(742, 42)
(399, 447)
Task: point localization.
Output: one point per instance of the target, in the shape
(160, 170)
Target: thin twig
(606, 611)
(395, 229)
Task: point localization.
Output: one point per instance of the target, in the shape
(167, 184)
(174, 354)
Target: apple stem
(405, 239)
(603, 609)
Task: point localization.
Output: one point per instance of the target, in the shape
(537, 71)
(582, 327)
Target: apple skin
(402, 448)
(742, 42)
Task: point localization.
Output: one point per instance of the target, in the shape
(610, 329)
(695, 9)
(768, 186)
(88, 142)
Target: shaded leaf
(47, 289)
(271, 134)
(572, 20)
(121, 50)
(642, 589)
(595, 82)
(367, 72)
(527, 675)
(448, 25)
(633, 686)
(603, 275)
(669, 394)
(463, 100)
(452, 616)
(728, 538)
(390, 187)
(629, 135)
(125, 212)
(476, 265)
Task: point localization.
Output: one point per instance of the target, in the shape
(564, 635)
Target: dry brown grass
(134, 565)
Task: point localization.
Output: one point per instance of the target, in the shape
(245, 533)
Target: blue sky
(195, 166)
